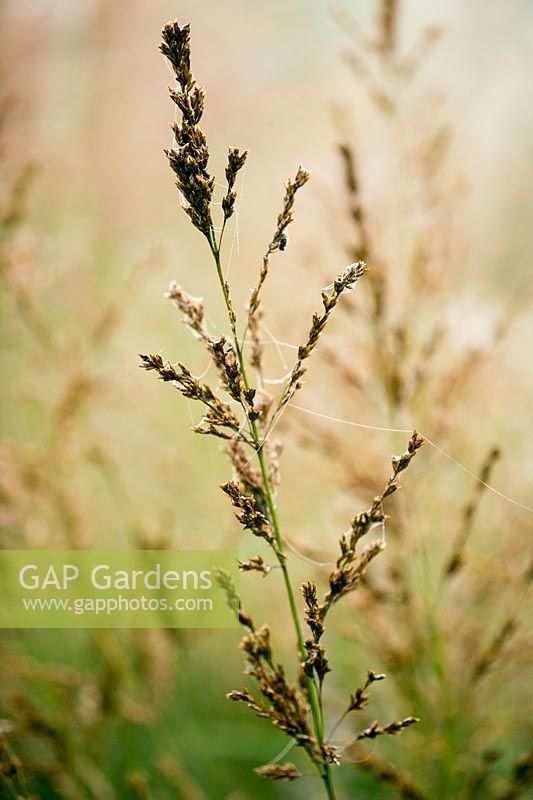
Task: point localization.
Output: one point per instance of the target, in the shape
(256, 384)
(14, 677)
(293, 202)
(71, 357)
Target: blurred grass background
(93, 452)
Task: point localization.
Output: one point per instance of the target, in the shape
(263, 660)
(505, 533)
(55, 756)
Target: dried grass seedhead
(343, 284)
(250, 477)
(219, 415)
(192, 308)
(255, 564)
(351, 567)
(247, 513)
(245, 418)
(282, 703)
(279, 240)
(176, 46)
(189, 158)
(374, 729)
(279, 772)
(313, 611)
(236, 161)
(359, 699)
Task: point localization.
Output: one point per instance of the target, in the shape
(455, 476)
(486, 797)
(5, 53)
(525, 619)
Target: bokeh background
(96, 453)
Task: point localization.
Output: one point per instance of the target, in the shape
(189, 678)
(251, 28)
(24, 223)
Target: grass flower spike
(244, 416)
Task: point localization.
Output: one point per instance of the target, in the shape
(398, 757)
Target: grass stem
(316, 711)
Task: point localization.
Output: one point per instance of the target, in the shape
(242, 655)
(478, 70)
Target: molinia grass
(456, 641)
(243, 413)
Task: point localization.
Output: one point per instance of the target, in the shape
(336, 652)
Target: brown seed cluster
(359, 699)
(277, 243)
(351, 567)
(283, 704)
(343, 284)
(374, 729)
(247, 513)
(188, 159)
(279, 239)
(193, 311)
(236, 161)
(255, 564)
(279, 772)
(219, 415)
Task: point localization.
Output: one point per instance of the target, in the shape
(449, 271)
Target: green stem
(219, 245)
(316, 712)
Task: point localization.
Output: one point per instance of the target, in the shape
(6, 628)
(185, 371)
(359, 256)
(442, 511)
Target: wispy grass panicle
(245, 416)
(448, 616)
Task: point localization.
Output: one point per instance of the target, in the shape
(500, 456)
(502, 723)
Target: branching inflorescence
(244, 415)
